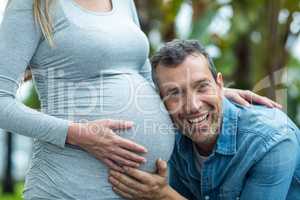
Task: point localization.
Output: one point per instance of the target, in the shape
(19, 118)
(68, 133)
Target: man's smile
(198, 119)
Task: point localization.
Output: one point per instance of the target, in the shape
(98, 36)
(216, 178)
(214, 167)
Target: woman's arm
(19, 39)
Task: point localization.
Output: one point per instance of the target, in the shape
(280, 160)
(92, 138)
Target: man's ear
(219, 80)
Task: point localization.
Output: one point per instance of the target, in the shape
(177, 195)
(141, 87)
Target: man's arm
(137, 184)
(271, 177)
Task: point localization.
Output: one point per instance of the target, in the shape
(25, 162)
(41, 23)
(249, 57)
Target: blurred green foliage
(251, 41)
(16, 196)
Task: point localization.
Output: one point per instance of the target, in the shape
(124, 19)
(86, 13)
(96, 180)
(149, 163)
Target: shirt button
(206, 197)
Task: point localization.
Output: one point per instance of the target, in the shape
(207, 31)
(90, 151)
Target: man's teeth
(197, 120)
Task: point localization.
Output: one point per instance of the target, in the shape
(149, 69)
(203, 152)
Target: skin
(96, 5)
(189, 91)
(191, 94)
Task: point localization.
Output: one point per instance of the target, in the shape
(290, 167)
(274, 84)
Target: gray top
(98, 69)
(198, 158)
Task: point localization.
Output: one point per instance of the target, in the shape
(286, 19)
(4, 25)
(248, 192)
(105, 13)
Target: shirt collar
(226, 143)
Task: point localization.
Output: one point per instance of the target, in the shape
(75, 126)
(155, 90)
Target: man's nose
(192, 103)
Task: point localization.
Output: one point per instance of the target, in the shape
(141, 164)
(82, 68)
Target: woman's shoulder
(127, 3)
(129, 7)
(20, 4)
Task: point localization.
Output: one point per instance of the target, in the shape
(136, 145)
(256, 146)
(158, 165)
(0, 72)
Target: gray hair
(174, 53)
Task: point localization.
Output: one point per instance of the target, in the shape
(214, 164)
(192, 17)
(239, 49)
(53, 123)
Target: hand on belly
(98, 138)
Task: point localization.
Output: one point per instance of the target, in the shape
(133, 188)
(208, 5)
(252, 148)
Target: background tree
(255, 49)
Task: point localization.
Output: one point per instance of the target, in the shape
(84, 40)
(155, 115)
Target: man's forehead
(192, 69)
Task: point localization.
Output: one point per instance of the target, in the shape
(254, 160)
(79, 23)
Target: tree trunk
(242, 74)
(273, 56)
(8, 183)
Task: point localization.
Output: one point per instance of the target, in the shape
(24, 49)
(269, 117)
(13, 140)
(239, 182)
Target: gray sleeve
(19, 38)
(146, 69)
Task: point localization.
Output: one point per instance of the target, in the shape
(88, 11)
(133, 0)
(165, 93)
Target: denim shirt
(256, 156)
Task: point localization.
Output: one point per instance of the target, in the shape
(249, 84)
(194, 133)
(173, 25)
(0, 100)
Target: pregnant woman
(99, 109)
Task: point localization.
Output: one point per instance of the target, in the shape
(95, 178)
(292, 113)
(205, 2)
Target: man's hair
(174, 53)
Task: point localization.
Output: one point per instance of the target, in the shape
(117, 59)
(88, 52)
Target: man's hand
(136, 184)
(246, 97)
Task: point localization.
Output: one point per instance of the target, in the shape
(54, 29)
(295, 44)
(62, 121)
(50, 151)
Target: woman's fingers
(247, 97)
(238, 99)
(123, 162)
(277, 105)
(265, 101)
(130, 156)
(131, 146)
(116, 124)
(109, 147)
(255, 98)
(109, 124)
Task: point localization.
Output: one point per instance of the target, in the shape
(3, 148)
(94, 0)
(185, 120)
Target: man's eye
(175, 93)
(203, 87)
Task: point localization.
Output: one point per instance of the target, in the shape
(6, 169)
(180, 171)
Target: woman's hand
(139, 185)
(246, 97)
(99, 139)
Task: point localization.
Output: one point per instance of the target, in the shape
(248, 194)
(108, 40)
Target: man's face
(193, 97)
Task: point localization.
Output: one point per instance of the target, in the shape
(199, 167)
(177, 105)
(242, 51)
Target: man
(224, 150)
